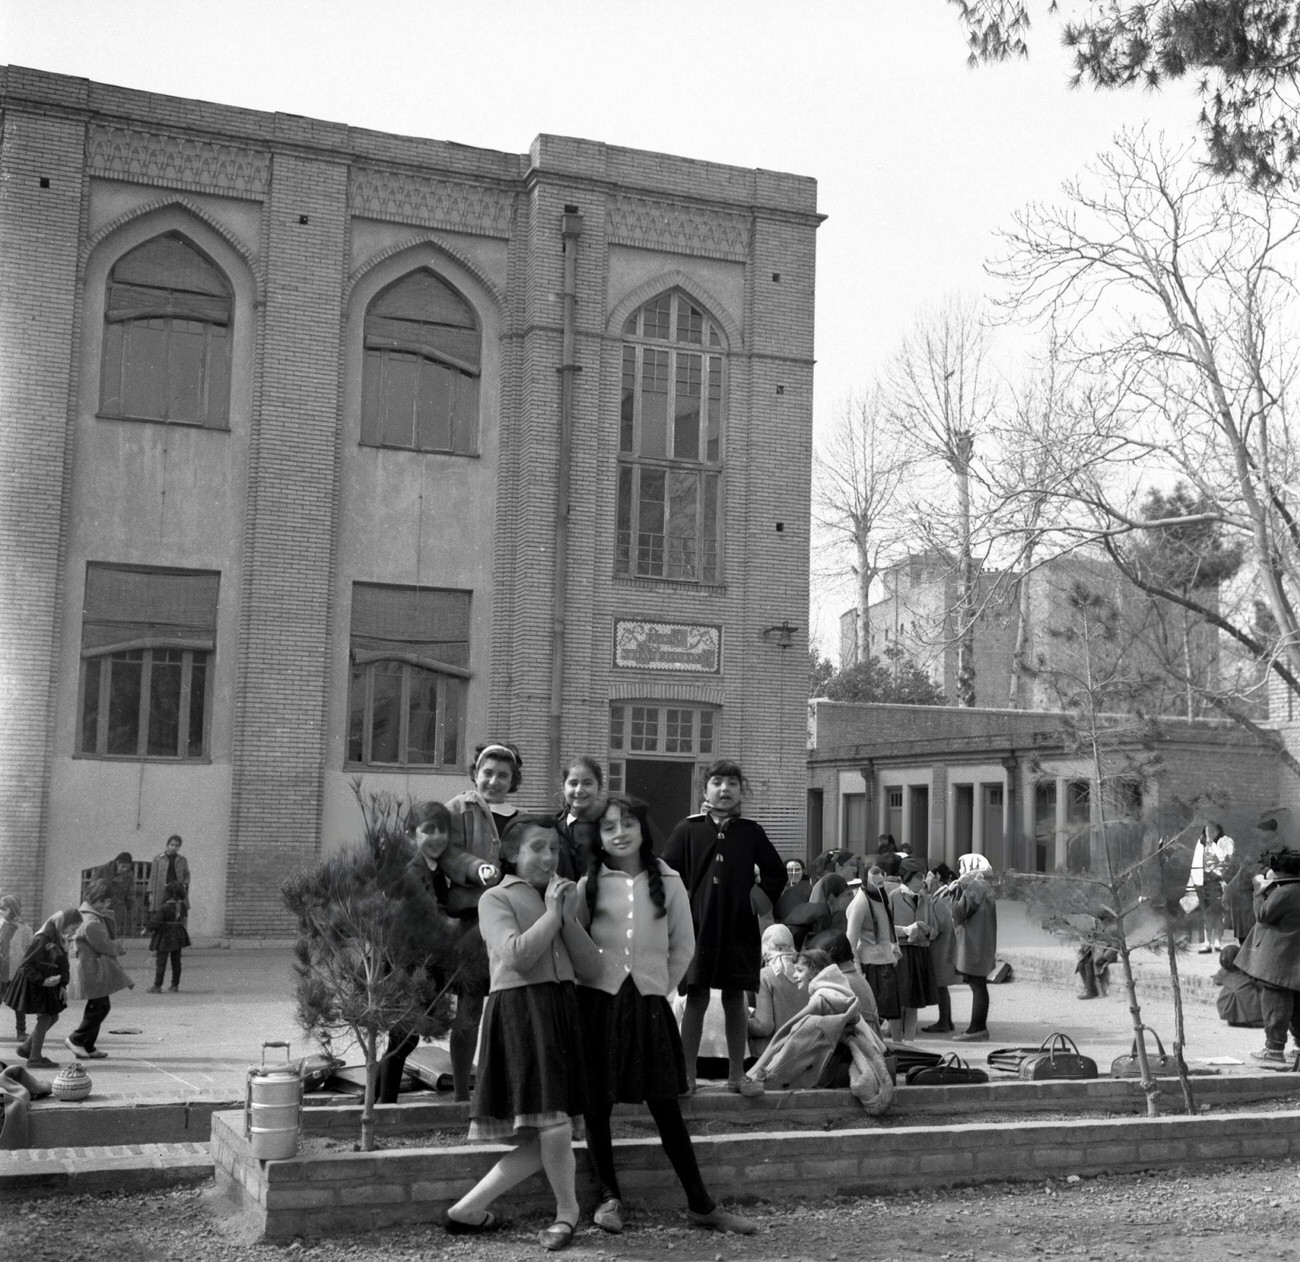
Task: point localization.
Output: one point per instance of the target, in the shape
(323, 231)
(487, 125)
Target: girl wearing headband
(471, 863)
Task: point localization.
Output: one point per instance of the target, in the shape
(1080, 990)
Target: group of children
(74, 955)
(587, 934)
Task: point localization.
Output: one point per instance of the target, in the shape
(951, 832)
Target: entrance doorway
(991, 825)
(666, 787)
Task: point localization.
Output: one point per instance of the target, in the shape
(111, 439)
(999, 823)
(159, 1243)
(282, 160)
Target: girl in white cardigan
(638, 914)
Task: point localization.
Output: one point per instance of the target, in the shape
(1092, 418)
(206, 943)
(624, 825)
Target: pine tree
(372, 951)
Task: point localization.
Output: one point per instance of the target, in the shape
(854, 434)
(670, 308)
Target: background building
(1007, 784)
(329, 453)
(914, 615)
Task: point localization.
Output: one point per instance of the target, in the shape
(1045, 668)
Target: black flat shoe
(455, 1227)
(938, 1027)
(559, 1235)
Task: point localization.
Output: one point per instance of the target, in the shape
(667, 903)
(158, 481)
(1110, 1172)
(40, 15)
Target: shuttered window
(166, 350)
(420, 387)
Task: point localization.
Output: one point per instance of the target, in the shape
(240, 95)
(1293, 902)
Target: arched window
(166, 353)
(422, 364)
(670, 443)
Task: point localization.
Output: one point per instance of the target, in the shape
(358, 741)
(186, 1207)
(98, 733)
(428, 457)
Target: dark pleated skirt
(531, 1070)
(916, 988)
(34, 999)
(634, 1051)
(883, 980)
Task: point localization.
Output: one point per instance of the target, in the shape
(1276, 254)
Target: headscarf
(776, 939)
(972, 863)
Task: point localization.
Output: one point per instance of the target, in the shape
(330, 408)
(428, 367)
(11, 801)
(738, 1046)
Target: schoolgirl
(470, 863)
(914, 923)
(579, 817)
(640, 921)
(423, 895)
(38, 987)
(170, 936)
(15, 938)
(531, 1082)
(870, 932)
(717, 853)
(778, 996)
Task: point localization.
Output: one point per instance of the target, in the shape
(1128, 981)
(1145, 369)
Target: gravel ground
(1246, 1211)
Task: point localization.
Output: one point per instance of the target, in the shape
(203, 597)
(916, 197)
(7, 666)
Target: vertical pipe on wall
(571, 230)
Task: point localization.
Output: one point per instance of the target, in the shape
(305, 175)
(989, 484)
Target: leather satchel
(1160, 1062)
(1009, 1059)
(1057, 1058)
(951, 1071)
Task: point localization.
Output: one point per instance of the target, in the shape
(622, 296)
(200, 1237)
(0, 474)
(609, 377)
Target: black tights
(979, 1002)
(160, 967)
(676, 1140)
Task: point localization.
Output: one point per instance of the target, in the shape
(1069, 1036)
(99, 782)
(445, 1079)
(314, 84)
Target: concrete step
(103, 1168)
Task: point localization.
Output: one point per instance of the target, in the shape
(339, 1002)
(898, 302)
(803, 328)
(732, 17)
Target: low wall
(321, 1194)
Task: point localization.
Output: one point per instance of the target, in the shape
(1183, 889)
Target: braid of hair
(595, 857)
(651, 866)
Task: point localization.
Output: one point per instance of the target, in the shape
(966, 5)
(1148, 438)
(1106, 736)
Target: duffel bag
(1161, 1063)
(951, 1071)
(1057, 1058)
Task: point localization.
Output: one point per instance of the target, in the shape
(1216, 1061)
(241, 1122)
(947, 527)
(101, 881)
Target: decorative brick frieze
(151, 157)
(404, 197)
(678, 228)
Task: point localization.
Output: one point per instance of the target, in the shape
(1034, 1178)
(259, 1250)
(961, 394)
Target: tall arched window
(670, 443)
(422, 364)
(166, 354)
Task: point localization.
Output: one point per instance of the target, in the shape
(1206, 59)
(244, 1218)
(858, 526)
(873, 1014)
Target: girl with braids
(637, 912)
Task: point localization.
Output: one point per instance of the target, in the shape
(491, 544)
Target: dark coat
(975, 918)
(717, 864)
(1271, 952)
(578, 839)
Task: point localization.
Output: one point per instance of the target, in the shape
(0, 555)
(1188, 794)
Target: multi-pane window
(670, 443)
(420, 387)
(147, 640)
(656, 729)
(410, 676)
(166, 352)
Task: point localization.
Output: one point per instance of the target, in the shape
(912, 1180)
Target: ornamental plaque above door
(668, 646)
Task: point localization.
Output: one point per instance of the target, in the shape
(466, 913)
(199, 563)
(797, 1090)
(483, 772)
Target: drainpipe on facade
(571, 230)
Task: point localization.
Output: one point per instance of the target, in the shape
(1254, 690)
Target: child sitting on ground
(800, 1049)
(170, 937)
(1238, 999)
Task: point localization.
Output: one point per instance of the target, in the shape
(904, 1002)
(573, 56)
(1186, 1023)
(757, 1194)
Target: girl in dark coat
(716, 853)
(1271, 955)
(39, 984)
(579, 818)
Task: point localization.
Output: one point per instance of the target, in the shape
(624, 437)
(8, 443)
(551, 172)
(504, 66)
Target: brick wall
(41, 187)
(289, 546)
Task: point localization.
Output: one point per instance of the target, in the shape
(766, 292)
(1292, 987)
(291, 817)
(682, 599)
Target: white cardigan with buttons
(633, 940)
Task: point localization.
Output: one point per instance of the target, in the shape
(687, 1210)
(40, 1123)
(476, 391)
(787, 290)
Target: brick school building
(329, 453)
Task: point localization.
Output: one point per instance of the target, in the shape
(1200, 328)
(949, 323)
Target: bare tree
(1174, 290)
(858, 474)
(941, 396)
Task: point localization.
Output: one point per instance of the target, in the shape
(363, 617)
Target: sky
(919, 160)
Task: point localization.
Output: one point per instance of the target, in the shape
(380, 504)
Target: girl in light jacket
(871, 935)
(95, 972)
(639, 918)
(531, 1083)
